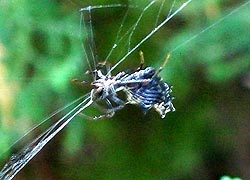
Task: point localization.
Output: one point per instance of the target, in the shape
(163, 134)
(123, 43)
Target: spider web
(19, 160)
(124, 45)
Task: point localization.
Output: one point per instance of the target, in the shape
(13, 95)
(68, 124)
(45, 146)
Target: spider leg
(163, 65)
(119, 102)
(95, 118)
(142, 61)
(86, 116)
(91, 72)
(79, 82)
(104, 63)
(108, 112)
(120, 75)
(107, 66)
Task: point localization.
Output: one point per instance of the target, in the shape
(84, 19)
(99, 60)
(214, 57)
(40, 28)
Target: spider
(143, 87)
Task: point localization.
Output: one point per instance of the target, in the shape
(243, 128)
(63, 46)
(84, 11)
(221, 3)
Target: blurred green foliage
(207, 137)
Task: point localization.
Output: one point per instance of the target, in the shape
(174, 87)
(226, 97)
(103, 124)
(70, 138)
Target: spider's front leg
(109, 111)
(120, 103)
(103, 110)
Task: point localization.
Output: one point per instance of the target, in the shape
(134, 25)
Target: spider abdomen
(155, 93)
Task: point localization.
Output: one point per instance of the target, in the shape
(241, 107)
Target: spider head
(98, 88)
(103, 87)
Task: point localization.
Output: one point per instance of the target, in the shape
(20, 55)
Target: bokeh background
(207, 137)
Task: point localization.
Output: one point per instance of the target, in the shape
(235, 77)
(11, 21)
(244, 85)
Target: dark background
(208, 135)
